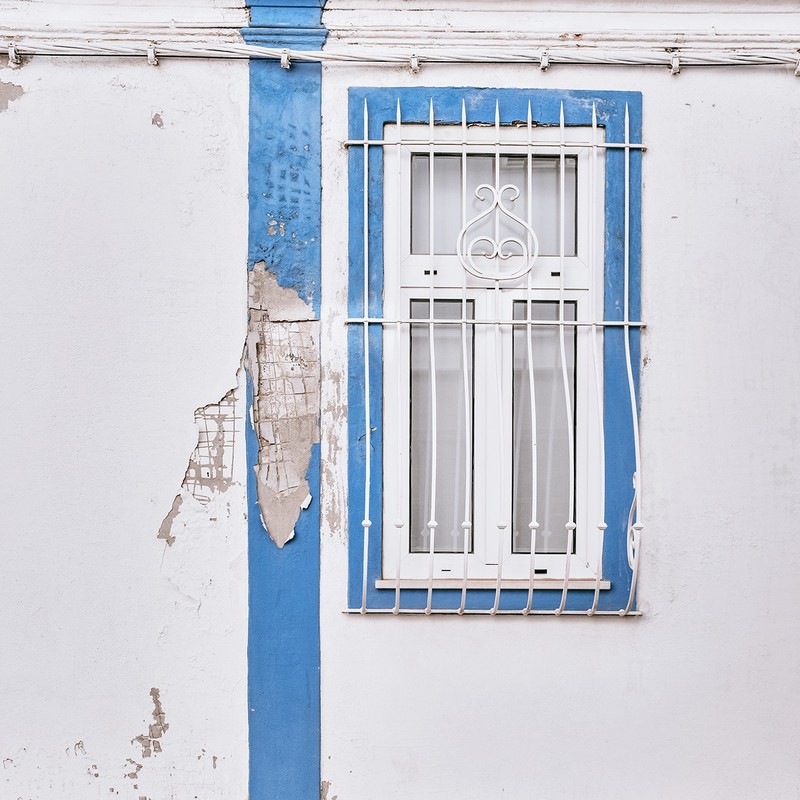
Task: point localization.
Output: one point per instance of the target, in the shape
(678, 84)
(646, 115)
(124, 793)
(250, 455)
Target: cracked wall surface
(211, 464)
(283, 361)
(281, 355)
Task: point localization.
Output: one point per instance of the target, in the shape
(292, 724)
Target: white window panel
(459, 477)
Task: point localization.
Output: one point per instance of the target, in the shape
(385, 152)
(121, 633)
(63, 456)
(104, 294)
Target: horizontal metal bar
(489, 144)
(471, 612)
(521, 323)
(587, 584)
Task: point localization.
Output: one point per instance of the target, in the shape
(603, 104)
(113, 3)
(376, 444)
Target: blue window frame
(620, 115)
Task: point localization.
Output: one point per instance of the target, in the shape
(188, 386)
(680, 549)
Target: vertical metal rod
(533, 525)
(501, 525)
(570, 526)
(593, 276)
(432, 365)
(466, 525)
(497, 170)
(635, 529)
(366, 522)
(400, 513)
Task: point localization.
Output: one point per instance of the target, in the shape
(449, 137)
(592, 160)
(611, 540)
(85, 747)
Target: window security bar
(499, 273)
(544, 323)
(505, 145)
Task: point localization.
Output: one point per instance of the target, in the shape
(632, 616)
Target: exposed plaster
(150, 741)
(136, 769)
(8, 93)
(165, 530)
(210, 468)
(334, 414)
(283, 361)
(324, 788)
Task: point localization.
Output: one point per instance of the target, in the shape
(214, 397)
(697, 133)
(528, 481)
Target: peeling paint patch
(9, 92)
(324, 788)
(210, 468)
(283, 361)
(150, 741)
(165, 530)
(275, 226)
(136, 769)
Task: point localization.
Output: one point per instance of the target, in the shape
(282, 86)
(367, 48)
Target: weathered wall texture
(698, 698)
(283, 362)
(123, 316)
(123, 309)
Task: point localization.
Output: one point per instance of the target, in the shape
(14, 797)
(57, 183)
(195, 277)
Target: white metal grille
(497, 269)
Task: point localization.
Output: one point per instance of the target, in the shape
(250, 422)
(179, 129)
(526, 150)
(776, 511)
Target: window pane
(550, 479)
(449, 214)
(452, 416)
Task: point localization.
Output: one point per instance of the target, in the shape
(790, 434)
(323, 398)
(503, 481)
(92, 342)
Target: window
(494, 351)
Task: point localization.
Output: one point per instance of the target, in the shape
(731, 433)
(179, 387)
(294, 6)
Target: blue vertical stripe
(284, 181)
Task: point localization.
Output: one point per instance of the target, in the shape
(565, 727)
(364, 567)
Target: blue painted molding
(293, 24)
(284, 182)
(480, 105)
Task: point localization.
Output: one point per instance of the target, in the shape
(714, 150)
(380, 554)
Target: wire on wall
(628, 55)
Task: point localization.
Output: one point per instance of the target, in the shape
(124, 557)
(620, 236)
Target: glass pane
(550, 479)
(546, 204)
(452, 415)
(449, 216)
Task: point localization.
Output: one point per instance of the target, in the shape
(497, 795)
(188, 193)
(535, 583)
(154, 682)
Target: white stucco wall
(697, 699)
(123, 256)
(123, 249)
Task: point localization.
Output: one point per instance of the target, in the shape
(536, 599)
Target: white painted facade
(124, 287)
(124, 245)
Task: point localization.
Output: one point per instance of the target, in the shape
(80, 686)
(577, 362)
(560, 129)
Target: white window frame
(405, 279)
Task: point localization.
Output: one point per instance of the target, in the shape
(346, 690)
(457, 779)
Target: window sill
(491, 583)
